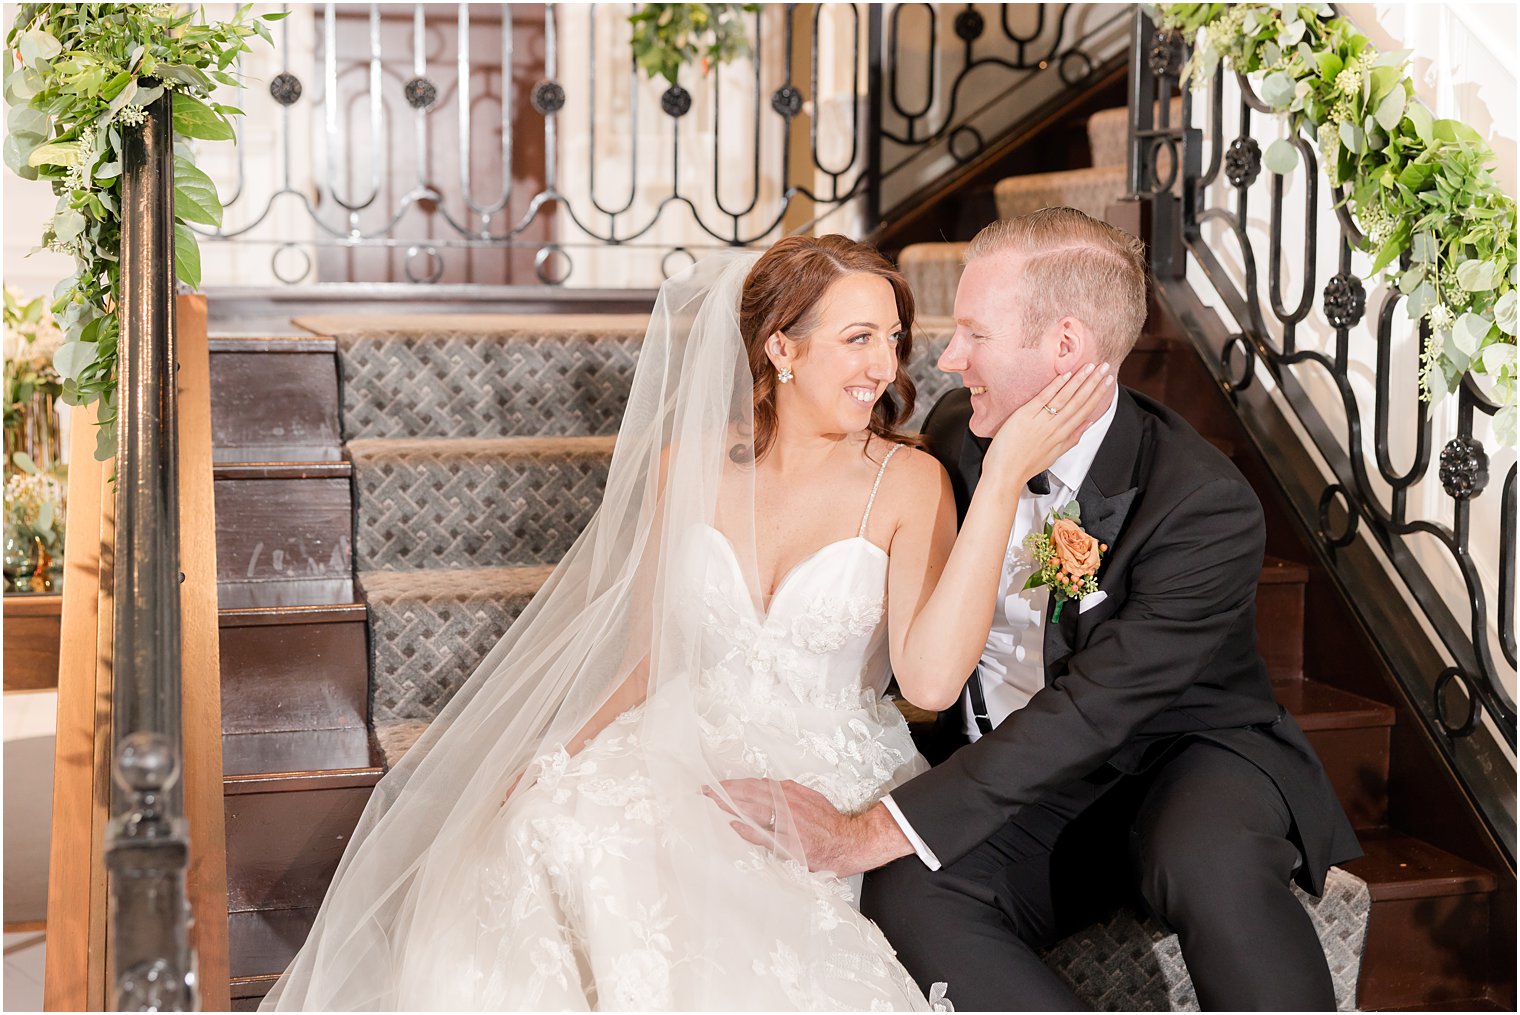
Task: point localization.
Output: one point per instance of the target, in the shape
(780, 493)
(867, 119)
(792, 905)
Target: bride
(770, 548)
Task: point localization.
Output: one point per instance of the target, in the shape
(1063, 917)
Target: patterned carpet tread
(429, 630)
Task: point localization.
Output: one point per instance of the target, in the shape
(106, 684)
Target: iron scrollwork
(1376, 499)
(370, 94)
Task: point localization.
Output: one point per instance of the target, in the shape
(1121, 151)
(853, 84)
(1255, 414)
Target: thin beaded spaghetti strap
(879, 473)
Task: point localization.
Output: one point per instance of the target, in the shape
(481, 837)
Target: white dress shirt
(1012, 667)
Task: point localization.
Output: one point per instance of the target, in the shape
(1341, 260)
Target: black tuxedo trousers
(1155, 765)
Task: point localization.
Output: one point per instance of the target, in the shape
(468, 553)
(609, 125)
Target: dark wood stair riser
(1356, 762)
(1426, 951)
(283, 846)
(283, 529)
(1280, 625)
(267, 940)
(271, 399)
(288, 673)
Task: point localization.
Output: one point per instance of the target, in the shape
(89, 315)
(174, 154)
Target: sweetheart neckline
(765, 615)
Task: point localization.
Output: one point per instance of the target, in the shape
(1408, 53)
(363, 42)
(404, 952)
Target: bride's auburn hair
(783, 292)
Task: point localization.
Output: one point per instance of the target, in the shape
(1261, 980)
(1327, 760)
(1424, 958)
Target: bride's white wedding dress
(561, 907)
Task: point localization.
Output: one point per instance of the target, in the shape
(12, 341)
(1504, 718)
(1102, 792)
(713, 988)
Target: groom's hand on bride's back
(808, 827)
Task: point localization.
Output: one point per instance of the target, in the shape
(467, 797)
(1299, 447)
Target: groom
(1133, 749)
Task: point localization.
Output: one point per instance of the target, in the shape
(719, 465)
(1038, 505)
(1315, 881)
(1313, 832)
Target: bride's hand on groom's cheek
(1048, 425)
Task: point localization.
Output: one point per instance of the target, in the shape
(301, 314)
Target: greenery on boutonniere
(1065, 557)
(668, 36)
(1416, 185)
(77, 77)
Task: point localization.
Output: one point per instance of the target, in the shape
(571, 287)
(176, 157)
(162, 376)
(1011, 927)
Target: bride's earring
(784, 375)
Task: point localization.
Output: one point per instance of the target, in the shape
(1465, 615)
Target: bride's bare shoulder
(914, 477)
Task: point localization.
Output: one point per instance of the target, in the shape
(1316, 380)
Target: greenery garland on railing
(76, 77)
(1416, 184)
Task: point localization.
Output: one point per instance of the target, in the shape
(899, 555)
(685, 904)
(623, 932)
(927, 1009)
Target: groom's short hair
(1077, 266)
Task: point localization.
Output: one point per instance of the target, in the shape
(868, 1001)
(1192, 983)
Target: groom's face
(1002, 366)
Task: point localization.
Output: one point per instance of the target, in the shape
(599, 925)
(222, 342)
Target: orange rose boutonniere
(1066, 558)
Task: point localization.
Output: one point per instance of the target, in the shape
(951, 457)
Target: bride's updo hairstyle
(783, 292)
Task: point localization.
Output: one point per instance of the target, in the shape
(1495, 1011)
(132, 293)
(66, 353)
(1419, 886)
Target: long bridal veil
(605, 625)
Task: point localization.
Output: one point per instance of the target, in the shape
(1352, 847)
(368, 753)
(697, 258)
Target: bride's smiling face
(845, 361)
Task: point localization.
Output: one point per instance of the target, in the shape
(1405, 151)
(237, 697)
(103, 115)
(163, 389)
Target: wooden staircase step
(264, 939)
(1319, 706)
(1428, 935)
(270, 392)
(286, 832)
(274, 523)
(1280, 617)
(1351, 736)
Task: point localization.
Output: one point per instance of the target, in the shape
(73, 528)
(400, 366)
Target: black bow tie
(1039, 484)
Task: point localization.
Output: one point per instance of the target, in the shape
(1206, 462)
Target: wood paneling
(201, 696)
(74, 976)
(33, 628)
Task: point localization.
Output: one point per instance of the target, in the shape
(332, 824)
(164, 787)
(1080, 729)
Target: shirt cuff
(919, 845)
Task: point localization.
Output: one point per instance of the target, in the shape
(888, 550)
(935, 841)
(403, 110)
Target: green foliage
(668, 36)
(31, 338)
(78, 77)
(1416, 185)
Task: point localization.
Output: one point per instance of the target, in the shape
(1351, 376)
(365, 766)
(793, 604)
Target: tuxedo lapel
(1106, 496)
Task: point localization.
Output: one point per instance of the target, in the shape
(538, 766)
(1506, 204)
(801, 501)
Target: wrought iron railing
(147, 847)
(1343, 383)
(836, 104)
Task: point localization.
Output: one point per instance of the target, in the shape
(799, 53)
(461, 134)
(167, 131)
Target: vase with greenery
(77, 78)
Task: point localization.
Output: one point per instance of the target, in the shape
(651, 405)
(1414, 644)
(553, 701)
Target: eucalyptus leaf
(1391, 110)
(23, 461)
(1468, 333)
(1497, 358)
(119, 103)
(1504, 426)
(27, 120)
(18, 150)
(1504, 313)
(1277, 89)
(1423, 249)
(1477, 276)
(37, 45)
(72, 357)
(1421, 300)
(1352, 137)
(45, 515)
(68, 224)
(1424, 123)
(105, 443)
(58, 153)
(1281, 157)
(1411, 278)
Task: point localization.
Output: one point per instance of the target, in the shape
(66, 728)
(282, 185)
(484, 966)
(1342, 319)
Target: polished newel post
(147, 845)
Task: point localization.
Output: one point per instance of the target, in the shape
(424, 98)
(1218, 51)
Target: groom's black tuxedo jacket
(1170, 654)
